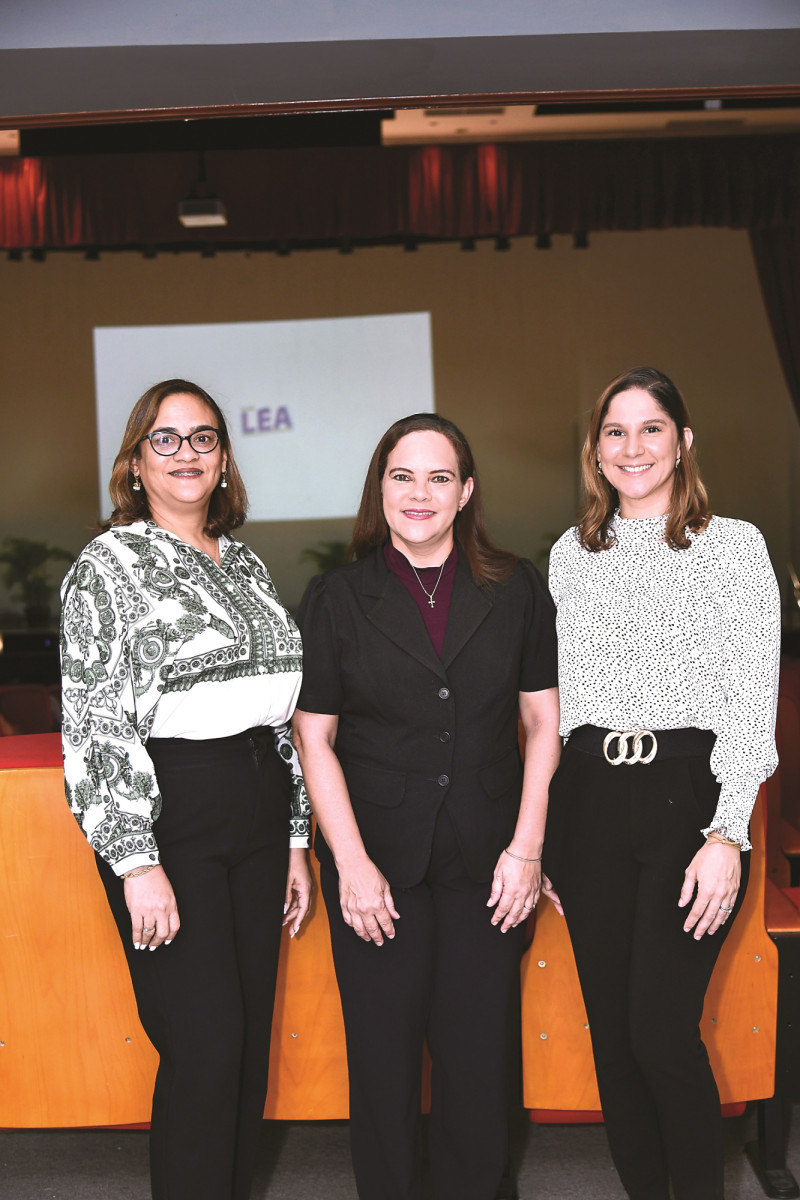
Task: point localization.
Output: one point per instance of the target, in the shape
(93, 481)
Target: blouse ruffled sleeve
(745, 753)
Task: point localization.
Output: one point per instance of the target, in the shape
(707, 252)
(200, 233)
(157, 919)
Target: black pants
(448, 975)
(206, 1000)
(626, 836)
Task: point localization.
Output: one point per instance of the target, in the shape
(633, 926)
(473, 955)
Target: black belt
(632, 746)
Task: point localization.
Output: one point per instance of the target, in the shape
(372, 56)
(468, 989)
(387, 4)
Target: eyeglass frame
(184, 437)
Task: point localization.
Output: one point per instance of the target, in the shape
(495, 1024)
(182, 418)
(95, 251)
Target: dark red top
(435, 617)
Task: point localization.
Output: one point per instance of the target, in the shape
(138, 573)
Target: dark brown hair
(487, 563)
(227, 507)
(688, 508)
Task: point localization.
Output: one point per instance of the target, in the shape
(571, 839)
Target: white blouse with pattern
(157, 640)
(655, 638)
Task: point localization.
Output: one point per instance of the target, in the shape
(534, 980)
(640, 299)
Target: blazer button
(444, 693)
(443, 780)
(444, 736)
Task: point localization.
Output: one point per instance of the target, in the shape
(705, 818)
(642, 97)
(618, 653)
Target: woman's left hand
(515, 890)
(714, 873)
(298, 890)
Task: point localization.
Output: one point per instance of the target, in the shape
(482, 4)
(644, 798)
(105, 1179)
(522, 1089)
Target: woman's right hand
(153, 908)
(367, 904)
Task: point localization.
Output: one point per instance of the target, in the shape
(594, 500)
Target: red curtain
(377, 194)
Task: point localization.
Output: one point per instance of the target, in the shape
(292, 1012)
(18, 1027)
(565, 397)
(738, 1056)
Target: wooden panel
(308, 1062)
(74, 1052)
(739, 1020)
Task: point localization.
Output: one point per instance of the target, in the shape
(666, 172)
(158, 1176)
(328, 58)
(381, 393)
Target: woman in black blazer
(419, 656)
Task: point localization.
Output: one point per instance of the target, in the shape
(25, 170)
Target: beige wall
(523, 341)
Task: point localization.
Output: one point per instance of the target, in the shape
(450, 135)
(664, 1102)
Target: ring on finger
(722, 908)
(146, 930)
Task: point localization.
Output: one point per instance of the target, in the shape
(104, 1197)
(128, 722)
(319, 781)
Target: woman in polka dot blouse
(669, 629)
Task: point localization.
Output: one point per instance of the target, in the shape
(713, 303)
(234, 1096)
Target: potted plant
(325, 555)
(27, 571)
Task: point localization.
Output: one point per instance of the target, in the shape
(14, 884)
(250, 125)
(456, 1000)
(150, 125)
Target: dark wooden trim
(123, 116)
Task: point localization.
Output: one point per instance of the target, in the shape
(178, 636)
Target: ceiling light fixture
(201, 208)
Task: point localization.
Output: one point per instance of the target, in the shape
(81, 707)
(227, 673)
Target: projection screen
(306, 401)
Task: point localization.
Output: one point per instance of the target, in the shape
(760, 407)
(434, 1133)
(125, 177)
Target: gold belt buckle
(629, 754)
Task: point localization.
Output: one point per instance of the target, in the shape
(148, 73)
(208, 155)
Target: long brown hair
(688, 509)
(486, 561)
(228, 506)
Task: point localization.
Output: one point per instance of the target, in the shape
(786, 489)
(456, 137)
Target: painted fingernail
(151, 948)
(285, 908)
(168, 942)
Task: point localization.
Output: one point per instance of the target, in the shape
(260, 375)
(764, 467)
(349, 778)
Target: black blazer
(416, 731)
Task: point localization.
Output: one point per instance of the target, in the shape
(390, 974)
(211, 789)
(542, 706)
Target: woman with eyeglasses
(180, 673)
(668, 645)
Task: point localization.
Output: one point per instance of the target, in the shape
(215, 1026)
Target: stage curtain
(777, 255)
(392, 193)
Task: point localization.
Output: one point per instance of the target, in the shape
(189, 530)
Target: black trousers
(448, 975)
(626, 835)
(206, 1000)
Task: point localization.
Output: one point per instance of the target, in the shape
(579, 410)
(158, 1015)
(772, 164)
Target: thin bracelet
(137, 871)
(519, 857)
(721, 840)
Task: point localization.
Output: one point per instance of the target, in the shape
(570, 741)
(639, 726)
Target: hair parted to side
(486, 561)
(689, 501)
(228, 506)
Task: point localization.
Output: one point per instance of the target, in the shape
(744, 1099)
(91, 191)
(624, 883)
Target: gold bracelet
(137, 871)
(721, 840)
(519, 857)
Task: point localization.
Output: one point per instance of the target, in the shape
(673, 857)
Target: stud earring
(136, 486)
(223, 483)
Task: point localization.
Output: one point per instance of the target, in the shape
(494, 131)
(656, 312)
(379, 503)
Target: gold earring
(677, 462)
(223, 483)
(599, 468)
(136, 486)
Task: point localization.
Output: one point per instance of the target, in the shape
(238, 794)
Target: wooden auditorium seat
(788, 735)
(73, 1051)
(28, 707)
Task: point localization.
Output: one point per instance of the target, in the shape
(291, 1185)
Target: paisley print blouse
(159, 641)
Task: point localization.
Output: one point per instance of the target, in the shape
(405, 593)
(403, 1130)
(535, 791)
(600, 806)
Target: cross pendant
(431, 602)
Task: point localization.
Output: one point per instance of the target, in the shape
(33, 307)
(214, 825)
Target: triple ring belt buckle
(633, 753)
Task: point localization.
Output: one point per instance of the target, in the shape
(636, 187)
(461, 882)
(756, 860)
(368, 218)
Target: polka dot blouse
(655, 638)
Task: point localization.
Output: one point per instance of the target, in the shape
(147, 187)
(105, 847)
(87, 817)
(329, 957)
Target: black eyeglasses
(165, 442)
